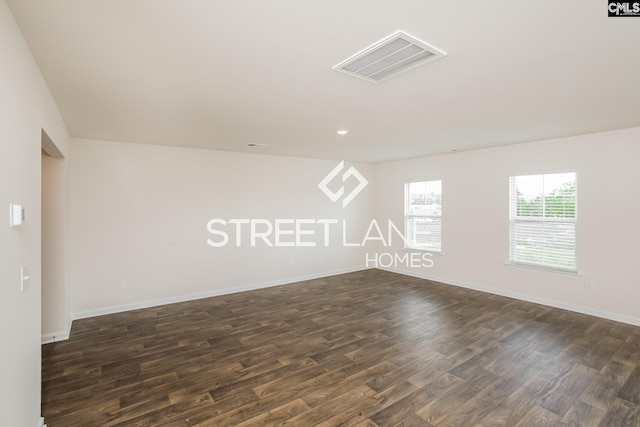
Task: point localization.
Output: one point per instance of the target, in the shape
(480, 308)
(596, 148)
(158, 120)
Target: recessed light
(342, 131)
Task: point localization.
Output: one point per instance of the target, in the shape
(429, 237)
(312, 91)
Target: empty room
(319, 213)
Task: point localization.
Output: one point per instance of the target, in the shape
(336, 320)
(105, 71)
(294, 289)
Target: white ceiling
(223, 74)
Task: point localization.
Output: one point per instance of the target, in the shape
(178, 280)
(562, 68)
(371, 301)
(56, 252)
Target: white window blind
(423, 215)
(542, 217)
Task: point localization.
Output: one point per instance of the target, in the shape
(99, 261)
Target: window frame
(515, 219)
(406, 216)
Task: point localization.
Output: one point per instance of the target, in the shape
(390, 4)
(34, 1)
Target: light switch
(16, 215)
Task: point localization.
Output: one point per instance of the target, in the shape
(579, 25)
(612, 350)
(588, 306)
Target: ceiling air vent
(393, 55)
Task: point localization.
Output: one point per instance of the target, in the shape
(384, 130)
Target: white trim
(418, 250)
(41, 422)
(540, 267)
(523, 297)
(57, 336)
(208, 294)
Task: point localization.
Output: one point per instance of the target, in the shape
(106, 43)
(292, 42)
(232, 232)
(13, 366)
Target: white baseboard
(41, 423)
(57, 336)
(524, 297)
(208, 294)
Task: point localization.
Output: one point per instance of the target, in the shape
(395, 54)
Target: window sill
(544, 269)
(432, 252)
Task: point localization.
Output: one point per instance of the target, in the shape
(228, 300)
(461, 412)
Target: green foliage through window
(543, 220)
(559, 203)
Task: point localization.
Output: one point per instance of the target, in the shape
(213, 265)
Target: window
(542, 217)
(423, 215)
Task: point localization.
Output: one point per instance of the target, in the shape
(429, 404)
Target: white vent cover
(390, 56)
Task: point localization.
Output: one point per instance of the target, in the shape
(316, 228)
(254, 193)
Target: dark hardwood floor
(363, 349)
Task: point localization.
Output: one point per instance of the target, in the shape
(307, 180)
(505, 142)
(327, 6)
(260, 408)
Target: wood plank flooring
(363, 349)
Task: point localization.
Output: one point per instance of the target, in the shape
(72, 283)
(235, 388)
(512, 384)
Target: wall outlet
(122, 284)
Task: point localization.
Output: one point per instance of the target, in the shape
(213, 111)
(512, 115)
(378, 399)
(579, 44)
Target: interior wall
(139, 215)
(55, 315)
(475, 247)
(26, 108)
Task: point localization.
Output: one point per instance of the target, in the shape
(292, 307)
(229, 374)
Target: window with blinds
(542, 220)
(423, 215)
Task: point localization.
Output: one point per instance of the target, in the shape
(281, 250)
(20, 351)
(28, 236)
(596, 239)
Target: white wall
(26, 107)
(475, 219)
(55, 315)
(138, 217)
